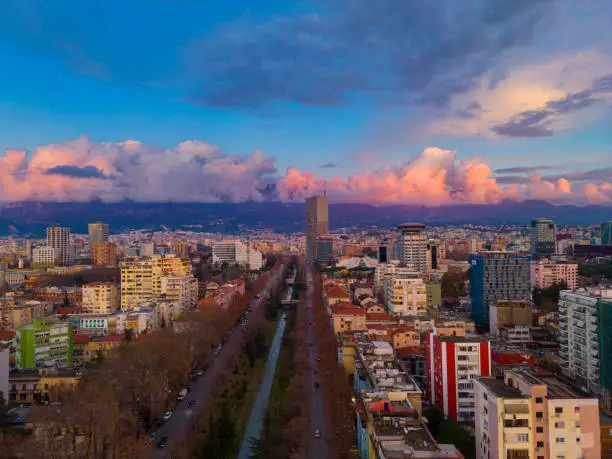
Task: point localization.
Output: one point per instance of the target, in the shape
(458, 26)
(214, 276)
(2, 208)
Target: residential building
(543, 237)
(45, 342)
(497, 275)
(546, 273)
(59, 239)
(606, 233)
(412, 245)
(347, 319)
(405, 294)
(237, 253)
(104, 253)
(533, 416)
(168, 265)
(317, 223)
(452, 365)
(45, 257)
(505, 313)
(100, 298)
(98, 233)
(434, 293)
(324, 251)
(147, 249)
(585, 344)
(182, 290)
(30, 386)
(136, 283)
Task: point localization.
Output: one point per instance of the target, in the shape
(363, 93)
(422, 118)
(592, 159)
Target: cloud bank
(194, 171)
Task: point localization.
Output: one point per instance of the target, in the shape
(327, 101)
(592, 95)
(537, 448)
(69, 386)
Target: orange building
(104, 253)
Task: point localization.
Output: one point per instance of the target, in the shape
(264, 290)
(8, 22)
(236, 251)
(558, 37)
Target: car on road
(317, 433)
(181, 395)
(167, 415)
(163, 442)
(318, 359)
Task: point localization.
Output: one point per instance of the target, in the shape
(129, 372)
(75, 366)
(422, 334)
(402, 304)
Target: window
(560, 425)
(523, 438)
(577, 424)
(539, 400)
(539, 414)
(560, 440)
(540, 444)
(577, 439)
(559, 410)
(539, 429)
(576, 409)
(540, 457)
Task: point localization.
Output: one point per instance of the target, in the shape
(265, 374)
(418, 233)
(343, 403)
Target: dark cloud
(524, 169)
(537, 123)
(600, 174)
(328, 166)
(512, 179)
(77, 171)
(431, 50)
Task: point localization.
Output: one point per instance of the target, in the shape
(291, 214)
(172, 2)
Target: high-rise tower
(98, 232)
(59, 239)
(412, 246)
(317, 223)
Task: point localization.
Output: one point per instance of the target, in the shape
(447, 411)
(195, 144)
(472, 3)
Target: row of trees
(286, 430)
(108, 414)
(339, 412)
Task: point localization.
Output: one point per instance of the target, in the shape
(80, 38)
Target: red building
(452, 365)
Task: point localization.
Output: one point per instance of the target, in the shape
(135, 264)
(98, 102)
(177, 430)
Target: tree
(163, 322)
(128, 333)
(548, 298)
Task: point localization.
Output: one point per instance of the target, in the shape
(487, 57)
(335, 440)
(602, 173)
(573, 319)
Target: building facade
(412, 246)
(317, 224)
(100, 298)
(98, 233)
(526, 415)
(544, 274)
(405, 294)
(585, 346)
(497, 275)
(45, 257)
(606, 233)
(324, 251)
(104, 253)
(504, 314)
(182, 290)
(59, 239)
(44, 343)
(136, 283)
(453, 363)
(543, 237)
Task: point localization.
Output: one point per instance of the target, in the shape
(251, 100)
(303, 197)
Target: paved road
(319, 447)
(183, 420)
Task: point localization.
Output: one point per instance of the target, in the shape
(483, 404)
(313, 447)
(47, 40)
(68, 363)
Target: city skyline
(394, 103)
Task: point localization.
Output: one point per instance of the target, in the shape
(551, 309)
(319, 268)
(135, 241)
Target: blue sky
(355, 90)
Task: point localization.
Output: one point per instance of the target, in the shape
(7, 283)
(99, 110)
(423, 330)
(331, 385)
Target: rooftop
(499, 387)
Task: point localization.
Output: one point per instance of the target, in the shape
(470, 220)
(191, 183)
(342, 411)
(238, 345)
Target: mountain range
(30, 218)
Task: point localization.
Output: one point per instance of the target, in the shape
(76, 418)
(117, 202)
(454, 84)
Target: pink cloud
(198, 172)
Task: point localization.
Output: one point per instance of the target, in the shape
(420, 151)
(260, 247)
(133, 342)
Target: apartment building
(44, 343)
(543, 236)
(508, 314)
(545, 273)
(405, 294)
(453, 363)
(59, 239)
(100, 298)
(104, 253)
(497, 275)
(534, 416)
(182, 290)
(412, 246)
(346, 319)
(98, 233)
(45, 257)
(585, 344)
(237, 253)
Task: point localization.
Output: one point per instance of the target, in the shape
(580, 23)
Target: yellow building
(136, 283)
(349, 319)
(168, 265)
(406, 294)
(100, 298)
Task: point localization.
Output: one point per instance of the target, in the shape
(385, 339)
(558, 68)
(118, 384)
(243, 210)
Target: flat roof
(499, 388)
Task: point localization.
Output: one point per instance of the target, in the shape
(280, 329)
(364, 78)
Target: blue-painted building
(497, 275)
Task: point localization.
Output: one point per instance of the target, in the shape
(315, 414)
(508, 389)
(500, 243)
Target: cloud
(328, 166)
(195, 171)
(423, 52)
(524, 169)
(536, 99)
(77, 171)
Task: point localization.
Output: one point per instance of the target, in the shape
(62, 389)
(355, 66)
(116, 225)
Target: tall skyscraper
(98, 232)
(543, 237)
(412, 246)
(317, 223)
(497, 275)
(606, 233)
(59, 239)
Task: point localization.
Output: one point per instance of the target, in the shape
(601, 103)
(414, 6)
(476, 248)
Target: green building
(434, 294)
(44, 343)
(606, 233)
(605, 349)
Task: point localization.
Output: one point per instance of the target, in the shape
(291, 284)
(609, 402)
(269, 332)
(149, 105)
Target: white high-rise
(59, 239)
(237, 253)
(412, 246)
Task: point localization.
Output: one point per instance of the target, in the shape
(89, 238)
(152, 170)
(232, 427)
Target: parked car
(167, 415)
(181, 395)
(317, 433)
(163, 442)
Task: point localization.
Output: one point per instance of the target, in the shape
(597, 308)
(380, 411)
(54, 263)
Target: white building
(59, 238)
(147, 248)
(180, 290)
(237, 253)
(45, 257)
(579, 343)
(412, 246)
(405, 294)
(100, 298)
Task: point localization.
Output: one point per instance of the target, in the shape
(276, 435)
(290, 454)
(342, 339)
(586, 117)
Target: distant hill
(32, 217)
